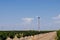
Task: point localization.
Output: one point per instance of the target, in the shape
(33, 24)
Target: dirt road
(46, 36)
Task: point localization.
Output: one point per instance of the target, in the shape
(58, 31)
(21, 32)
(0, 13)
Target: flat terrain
(46, 36)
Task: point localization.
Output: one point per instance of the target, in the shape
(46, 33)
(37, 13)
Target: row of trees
(11, 34)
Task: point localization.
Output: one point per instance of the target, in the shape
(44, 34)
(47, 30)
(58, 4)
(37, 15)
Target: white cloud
(37, 16)
(26, 23)
(56, 21)
(27, 20)
(57, 17)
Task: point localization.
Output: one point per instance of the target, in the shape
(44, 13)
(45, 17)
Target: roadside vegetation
(58, 35)
(12, 34)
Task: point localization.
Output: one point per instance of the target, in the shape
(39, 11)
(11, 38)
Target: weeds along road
(46, 36)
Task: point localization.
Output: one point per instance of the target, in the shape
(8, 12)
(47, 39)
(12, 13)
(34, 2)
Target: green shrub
(11, 34)
(58, 35)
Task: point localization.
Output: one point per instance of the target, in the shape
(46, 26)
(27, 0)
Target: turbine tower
(38, 23)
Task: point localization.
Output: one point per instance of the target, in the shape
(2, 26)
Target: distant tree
(11, 35)
(3, 36)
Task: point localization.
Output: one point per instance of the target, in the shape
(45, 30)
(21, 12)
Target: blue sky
(22, 14)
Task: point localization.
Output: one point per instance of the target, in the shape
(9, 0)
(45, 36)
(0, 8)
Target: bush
(58, 34)
(3, 36)
(11, 35)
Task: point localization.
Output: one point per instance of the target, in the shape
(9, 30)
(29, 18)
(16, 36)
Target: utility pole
(38, 23)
